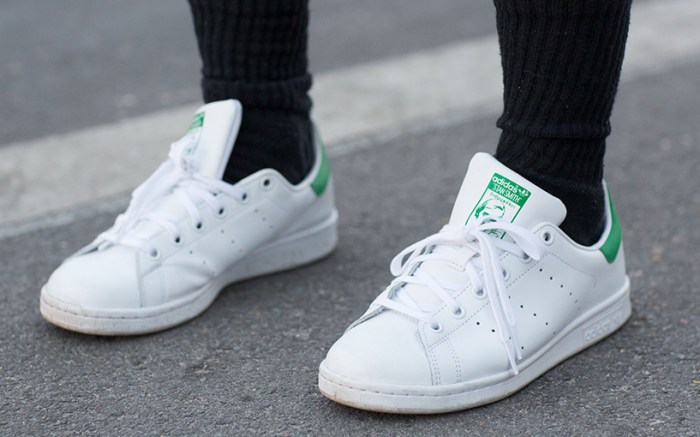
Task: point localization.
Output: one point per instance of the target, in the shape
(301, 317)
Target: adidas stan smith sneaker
(479, 310)
(186, 234)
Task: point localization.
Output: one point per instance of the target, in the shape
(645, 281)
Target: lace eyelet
(199, 226)
(244, 198)
(459, 313)
(222, 212)
(177, 241)
(506, 274)
(547, 238)
(525, 259)
(435, 327)
(480, 293)
(154, 254)
(266, 184)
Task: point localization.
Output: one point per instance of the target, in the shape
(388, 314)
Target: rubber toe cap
(386, 349)
(104, 280)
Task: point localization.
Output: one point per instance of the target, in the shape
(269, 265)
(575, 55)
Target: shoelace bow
(178, 176)
(484, 257)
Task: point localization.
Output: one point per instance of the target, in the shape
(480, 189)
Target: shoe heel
(302, 247)
(609, 320)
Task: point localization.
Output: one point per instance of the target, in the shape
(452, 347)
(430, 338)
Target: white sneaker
(187, 234)
(495, 299)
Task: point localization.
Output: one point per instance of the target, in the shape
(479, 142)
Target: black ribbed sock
(561, 66)
(255, 51)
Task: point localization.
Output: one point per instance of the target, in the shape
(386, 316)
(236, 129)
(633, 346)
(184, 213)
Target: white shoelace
(177, 176)
(483, 256)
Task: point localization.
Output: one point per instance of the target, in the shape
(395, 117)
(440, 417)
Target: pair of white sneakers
(496, 298)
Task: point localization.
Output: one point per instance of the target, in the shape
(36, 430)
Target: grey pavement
(76, 63)
(248, 365)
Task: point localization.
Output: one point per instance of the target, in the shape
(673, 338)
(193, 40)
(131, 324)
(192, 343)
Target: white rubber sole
(588, 329)
(300, 248)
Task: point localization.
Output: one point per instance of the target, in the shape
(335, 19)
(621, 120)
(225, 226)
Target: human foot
(482, 308)
(187, 234)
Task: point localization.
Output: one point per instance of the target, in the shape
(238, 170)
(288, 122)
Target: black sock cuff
(289, 95)
(254, 51)
(577, 162)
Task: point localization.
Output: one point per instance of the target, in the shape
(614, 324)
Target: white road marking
(355, 108)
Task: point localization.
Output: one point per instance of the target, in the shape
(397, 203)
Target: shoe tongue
(213, 130)
(492, 189)
(489, 188)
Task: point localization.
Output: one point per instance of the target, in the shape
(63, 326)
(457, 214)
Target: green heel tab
(320, 182)
(612, 244)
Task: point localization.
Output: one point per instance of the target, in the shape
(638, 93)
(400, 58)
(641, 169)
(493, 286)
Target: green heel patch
(612, 244)
(320, 182)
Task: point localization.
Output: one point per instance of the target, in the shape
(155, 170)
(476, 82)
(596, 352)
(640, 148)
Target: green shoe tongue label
(194, 131)
(197, 121)
(502, 199)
